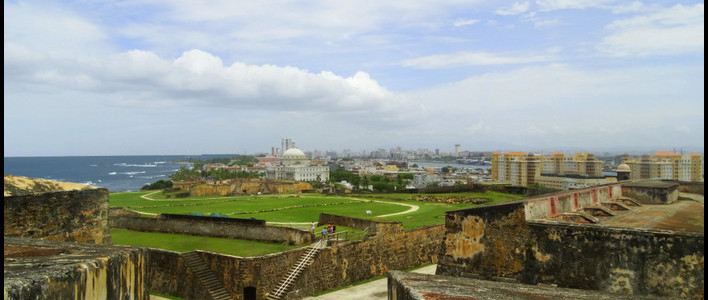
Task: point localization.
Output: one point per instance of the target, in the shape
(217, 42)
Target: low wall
(214, 227)
(251, 186)
(361, 224)
(691, 187)
(68, 216)
(554, 204)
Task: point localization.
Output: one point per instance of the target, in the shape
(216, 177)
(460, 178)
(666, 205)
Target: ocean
(116, 173)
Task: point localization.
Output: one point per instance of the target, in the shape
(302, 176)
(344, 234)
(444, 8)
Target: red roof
(695, 154)
(666, 153)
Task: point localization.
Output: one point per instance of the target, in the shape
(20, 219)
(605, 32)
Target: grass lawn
(285, 208)
(184, 243)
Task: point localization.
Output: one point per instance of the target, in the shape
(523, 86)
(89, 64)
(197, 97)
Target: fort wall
(511, 241)
(361, 224)
(45, 209)
(334, 266)
(214, 227)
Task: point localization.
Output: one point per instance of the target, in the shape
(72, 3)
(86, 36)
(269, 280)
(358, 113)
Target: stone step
(615, 205)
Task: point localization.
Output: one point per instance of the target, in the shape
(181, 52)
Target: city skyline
(166, 77)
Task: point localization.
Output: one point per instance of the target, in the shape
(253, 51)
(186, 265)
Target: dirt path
(412, 208)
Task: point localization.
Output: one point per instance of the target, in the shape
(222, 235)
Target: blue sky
(191, 77)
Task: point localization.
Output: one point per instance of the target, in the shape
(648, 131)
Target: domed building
(623, 172)
(294, 165)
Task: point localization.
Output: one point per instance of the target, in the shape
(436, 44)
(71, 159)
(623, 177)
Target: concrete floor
(377, 289)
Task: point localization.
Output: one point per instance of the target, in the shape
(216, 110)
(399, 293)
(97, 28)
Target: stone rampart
(361, 224)
(511, 240)
(334, 266)
(58, 211)
(214, 227)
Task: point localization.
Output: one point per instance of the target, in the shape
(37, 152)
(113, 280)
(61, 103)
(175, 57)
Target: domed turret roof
(294, 153)
(623, 168)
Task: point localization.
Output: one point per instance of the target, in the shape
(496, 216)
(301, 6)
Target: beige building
(667, 166)
(521, 169)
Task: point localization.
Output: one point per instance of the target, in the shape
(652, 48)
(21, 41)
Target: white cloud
(463, 22)
(515, 9)
(671, 31)
(462, 59)
(200, 78)
(549, 5)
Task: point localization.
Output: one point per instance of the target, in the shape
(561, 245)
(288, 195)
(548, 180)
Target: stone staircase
(289, 279)
(206, 276)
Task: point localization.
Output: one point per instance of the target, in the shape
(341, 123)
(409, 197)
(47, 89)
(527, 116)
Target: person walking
(312, 228)
(324, 233)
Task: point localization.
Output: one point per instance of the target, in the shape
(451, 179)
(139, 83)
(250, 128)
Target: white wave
(112, 173)
(94, 165)
(133, 173)
(159, 162)
(134, 165)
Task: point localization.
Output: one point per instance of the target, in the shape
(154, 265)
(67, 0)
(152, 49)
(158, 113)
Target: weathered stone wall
(334, 266)
(42, 269)
(240, 186)
(361, 224)
(691, 187)
(616, 260)
(169, 274)
(656, 193)
(214, 227)
(501, 241)
(485, 241)
(554, 204)
(71, 216)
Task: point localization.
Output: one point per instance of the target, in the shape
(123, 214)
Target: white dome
(294, 153)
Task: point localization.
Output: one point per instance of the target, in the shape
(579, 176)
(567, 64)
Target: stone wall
(42, 269)
(334, 266)
(250, 186)
(554, 204)
(75, 215)
(691, 187)
(214, 227)
(616, 260)
(361, 224)
(651, 192)
(509, 241)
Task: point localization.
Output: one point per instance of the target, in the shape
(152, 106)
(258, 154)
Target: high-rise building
(666, 165)
(520, 168)
(286, 143)
(457, 150)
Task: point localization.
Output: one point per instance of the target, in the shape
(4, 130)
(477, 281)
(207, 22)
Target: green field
(284, 209)
(184, 243)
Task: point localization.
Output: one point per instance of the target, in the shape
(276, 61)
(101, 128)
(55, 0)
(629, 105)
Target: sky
(144, 77)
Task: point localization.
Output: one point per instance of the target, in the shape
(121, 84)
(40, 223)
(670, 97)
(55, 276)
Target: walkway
(377, 289)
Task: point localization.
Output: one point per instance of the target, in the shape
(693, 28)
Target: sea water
(116, 173)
